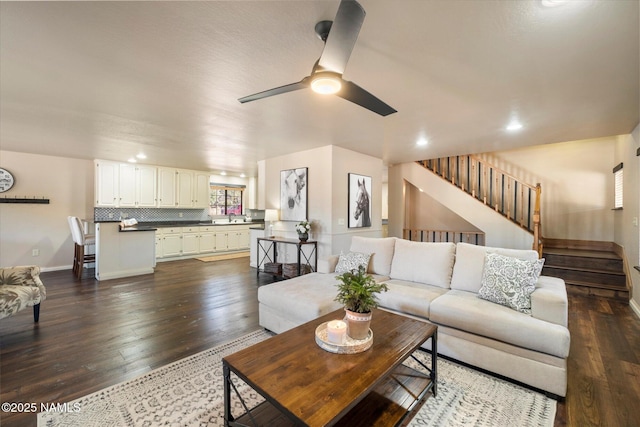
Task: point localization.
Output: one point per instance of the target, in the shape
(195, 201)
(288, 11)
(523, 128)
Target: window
(617, 178)
(225, 200)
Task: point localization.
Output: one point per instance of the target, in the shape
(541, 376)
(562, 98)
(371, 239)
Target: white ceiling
(111, 79)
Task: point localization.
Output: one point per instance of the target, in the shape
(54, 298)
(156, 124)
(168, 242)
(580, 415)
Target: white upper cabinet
(166, 188)
(185, 188)
(201, 190)
(127, 186)
(145, 186)
(106, 183)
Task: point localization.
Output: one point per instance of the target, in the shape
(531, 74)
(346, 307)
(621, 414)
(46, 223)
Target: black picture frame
(360, 207)
(294, 194)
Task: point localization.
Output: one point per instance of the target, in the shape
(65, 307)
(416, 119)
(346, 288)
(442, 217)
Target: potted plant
(357, 292)
(303, 230)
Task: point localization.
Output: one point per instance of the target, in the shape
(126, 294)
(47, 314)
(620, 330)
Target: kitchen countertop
(146, 226)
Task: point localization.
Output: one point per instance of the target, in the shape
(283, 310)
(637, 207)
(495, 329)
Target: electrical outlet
(340, 221)
(110, 215)
(180, 215)
(635, 221)
(35, 252)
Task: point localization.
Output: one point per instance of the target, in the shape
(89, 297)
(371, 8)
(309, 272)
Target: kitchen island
(124, 252)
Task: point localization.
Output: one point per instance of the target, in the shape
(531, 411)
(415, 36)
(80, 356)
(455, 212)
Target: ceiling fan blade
(342, 36)
(302, 84)
(354, 93)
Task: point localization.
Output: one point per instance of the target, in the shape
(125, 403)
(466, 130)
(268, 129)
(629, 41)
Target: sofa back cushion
(467, 271)
(381, 250)
(423, 262)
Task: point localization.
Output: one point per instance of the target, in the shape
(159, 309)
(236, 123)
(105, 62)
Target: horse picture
(359, 201)
(293, 194)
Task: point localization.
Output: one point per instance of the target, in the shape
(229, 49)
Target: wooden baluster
(473, 177)
(496, 192)
(537, 226)
(485, 182)
(522, 205)
(509, 198)
(462, 169)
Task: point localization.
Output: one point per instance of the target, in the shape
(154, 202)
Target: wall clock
(6, 180)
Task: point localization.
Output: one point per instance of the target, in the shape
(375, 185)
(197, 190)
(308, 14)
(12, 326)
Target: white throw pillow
(352, 261)
(381, 250)
(423, 262)
(467, 271)
(510, 281)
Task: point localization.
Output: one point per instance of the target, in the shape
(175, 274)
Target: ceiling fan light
(326, 83)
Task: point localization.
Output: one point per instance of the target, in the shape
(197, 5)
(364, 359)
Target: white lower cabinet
(185, 242)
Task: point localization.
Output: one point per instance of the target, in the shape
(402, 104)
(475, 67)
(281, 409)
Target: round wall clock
(6, 180)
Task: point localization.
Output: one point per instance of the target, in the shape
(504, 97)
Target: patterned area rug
(189, 392)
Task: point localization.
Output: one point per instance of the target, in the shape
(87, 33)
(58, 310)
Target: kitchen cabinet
(201, 190)
(184, 188)
(221, 241)
(171, 242)
(166, 188)
(137, 186)
(207, 241)
(146, 186)
(190, 244)
(106, 183)
(126, 185)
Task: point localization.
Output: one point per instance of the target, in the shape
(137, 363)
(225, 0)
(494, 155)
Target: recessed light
(514, 125)
(132, 160)
(223, 173)
(141, 156)
(552, 3)
(422, 142)
(242, 175)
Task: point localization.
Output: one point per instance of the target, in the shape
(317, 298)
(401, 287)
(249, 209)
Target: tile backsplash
(150, 214)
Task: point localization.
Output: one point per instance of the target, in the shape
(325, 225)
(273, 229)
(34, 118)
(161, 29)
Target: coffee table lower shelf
(388, 404)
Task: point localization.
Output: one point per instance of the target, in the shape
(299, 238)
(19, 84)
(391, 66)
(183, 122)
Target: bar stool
(81, 239)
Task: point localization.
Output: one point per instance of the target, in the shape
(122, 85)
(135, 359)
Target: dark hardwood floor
(95, 334)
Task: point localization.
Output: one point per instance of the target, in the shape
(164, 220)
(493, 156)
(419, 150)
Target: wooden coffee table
(305, 385)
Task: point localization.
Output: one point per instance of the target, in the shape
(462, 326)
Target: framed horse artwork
(293, 194)
(359, 201)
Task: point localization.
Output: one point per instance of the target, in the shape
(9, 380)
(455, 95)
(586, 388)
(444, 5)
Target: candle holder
(348, 346)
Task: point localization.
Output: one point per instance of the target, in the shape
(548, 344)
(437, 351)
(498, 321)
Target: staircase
(515, 200)
(588, 268)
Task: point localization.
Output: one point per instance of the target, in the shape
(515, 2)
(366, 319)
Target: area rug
(189, 392)
(223, 257)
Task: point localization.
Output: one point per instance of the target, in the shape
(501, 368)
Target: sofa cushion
(352, 261)
(510, 281)
(302, 298)
(465, 311)
(381, 250)
(467, 271)
(409, 297)
(423, 262)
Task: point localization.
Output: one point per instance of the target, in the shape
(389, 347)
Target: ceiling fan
(339, 38)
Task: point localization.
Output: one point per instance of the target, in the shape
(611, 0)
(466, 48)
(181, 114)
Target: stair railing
(506, 194)
(424, 235)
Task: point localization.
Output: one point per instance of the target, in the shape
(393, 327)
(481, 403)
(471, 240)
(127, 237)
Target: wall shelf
(31, 200)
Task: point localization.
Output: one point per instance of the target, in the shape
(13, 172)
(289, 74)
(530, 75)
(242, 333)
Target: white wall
(577, 185)
(425, 212)
(328, 169)
(68, 184)
(626, 230)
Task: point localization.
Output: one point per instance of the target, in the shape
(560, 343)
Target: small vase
(357, 324)
(303, 237)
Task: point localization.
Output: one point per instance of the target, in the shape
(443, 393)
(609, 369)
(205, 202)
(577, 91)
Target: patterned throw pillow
(510, 281)
(351, 261)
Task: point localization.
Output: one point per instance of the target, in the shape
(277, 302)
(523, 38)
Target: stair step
(584, 262)
(577, 288)
(596, 277)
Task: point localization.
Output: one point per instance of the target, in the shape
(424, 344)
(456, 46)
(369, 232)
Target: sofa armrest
(549, 301)
(328, 265)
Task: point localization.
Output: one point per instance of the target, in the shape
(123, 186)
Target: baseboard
(57, 268)
(635, 307)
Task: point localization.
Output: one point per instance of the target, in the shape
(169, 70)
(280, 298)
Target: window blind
(617, 178)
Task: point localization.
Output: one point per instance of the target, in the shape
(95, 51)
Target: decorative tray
(351, 346)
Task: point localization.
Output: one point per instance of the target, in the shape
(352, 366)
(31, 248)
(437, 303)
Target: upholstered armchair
(21, 287)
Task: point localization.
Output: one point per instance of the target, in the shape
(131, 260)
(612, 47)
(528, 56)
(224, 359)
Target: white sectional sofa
(441, 283)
